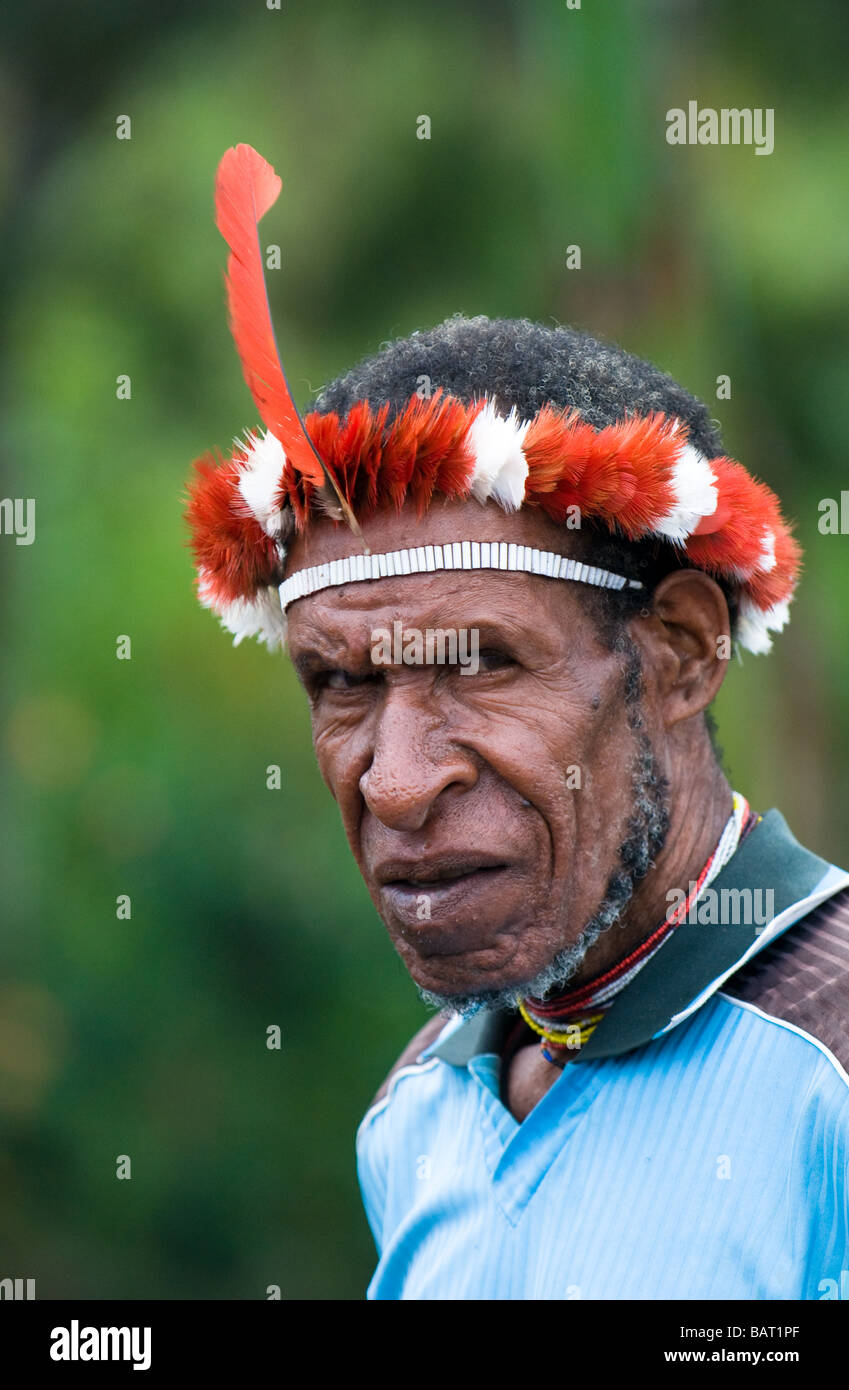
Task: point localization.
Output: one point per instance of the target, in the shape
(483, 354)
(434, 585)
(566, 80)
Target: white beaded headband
(455, 555)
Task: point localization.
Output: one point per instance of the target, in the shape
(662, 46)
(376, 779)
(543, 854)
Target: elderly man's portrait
(426, 536)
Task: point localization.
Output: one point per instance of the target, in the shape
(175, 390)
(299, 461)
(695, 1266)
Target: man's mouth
(446, 878)
(442, 904)
(436, 871)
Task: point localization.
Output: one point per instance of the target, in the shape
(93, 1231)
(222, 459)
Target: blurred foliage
(147, 777)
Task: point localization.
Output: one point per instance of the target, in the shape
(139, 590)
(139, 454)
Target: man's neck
(698, 815)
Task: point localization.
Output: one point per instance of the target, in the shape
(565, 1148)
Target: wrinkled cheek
(341, 767)
(330, 757)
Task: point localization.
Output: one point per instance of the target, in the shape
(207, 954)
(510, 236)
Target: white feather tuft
(763, 563)
(755, 624)
(259, 479)
(694, 484)
(767, 561)
(260, 617)
(501, 469)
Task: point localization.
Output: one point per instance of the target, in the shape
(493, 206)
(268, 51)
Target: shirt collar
(693, 958)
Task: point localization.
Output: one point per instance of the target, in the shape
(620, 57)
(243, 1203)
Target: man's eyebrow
(305, 662)
(324, 650)
(496, 628)
(507, 628)
(311, 658)
(323, 655)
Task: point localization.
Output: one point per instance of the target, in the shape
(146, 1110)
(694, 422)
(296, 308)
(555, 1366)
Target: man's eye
(491, 659)
(340, 679)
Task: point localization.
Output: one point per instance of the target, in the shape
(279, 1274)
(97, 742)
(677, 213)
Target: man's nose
(413, 763)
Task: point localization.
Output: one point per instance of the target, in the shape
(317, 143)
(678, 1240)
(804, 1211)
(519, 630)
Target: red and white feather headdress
(639, 478)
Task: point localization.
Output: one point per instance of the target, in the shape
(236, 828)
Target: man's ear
(687, 639)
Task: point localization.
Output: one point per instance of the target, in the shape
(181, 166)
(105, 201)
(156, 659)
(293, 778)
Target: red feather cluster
(232, 553)
(730, 541)
(619, 475)
(424, 451)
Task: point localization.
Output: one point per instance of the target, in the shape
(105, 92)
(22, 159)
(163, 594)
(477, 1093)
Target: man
(635, 1085)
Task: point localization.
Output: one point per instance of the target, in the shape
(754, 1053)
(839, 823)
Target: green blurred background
(146, 777)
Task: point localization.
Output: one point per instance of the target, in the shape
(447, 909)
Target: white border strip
(791, 1028)
(412, 1069)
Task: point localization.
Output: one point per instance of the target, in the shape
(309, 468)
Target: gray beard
(647, 831)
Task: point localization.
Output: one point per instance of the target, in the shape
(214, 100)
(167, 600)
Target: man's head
(503, 813)
(501, 818)
(538, 787)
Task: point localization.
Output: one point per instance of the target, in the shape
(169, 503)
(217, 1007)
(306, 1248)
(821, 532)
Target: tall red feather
(246, 186)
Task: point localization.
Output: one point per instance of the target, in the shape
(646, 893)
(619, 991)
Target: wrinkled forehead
(543, 616)
(505, 606)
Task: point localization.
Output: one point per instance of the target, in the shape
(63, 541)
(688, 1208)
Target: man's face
(485, 809)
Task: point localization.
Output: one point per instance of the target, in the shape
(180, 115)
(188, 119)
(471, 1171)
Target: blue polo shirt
(697, 1147)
